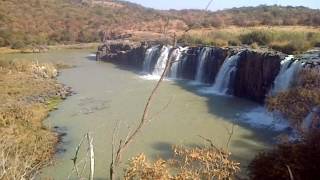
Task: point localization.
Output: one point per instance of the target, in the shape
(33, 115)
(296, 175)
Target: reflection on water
(106, 94)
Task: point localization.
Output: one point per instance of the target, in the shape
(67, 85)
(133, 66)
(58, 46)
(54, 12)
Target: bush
(234, 42)
(2, 42)
(211, 39)
(196, 163)
(259, 37)
(301, 158)
(298, 102)
(291, 47)
(18, 45)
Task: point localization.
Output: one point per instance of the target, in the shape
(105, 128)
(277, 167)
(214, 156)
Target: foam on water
(261, 118)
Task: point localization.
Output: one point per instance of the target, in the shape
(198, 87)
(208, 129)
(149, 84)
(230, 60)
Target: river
(106, 94)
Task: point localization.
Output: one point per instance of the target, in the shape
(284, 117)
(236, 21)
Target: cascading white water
(161, 62)
(201, 63)
(224, 77)
(286, 76)
(178, 60)
(148, 58)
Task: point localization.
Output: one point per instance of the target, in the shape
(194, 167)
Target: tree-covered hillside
(251, 16)
(33, 22)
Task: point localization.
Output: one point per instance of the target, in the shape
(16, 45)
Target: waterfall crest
(287, 75)
(162, 60)
(150, 55)
(177, 61)
(201, 63)
(226, 75)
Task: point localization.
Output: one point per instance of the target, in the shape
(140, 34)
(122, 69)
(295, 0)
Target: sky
(222, 4)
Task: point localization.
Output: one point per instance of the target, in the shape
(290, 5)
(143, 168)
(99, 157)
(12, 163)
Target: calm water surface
(106, 94)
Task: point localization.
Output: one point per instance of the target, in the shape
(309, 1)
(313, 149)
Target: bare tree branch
(290, 172)
(124, 144)
(230, 135)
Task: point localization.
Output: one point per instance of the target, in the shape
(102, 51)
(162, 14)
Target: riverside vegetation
(49, 22)
(28, 92)
(290, 40)
(298, 159)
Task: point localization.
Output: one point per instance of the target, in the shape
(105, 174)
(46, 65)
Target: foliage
(251, 16)
(259, 37)
(296, 103)
(290, 40)
(25, 145)
(47, 22)
(301, 158)
(188, 163)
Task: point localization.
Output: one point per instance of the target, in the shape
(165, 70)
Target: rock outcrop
(123, 52)
(256, 73)
(254, 77)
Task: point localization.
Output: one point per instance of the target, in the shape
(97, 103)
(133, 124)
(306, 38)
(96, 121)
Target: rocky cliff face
(254, 77)
(123, 53)
(256, 73)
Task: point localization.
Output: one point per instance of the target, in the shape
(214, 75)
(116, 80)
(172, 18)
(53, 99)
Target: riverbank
(28, 93)
(41, 49)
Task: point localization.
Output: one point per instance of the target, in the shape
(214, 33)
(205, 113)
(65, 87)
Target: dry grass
(187, 163)
(288, 39)
(298, 102)
(25, 145)
(302, 158)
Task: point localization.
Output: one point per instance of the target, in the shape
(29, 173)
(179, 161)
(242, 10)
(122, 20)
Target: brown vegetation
(289, 39)
(187, 163)
(300, 159)
(296, 103)
(27, 23)
(28, 93)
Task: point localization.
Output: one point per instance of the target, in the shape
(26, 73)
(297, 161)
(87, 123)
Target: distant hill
(33, 22)
(251, 16)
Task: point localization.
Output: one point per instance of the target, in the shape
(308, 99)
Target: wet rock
(256, 73)
(123, 52)
(312, 121)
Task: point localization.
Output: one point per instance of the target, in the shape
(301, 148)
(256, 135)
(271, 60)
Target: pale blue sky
(221, 4)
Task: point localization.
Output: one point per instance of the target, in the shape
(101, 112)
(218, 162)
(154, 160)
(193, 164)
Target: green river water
(106, 94)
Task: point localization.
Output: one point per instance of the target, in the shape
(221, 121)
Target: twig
(114, 134)
(209, 141)
(90, 142)
(290, 172)
(74, 160)
(230, 135)
(163, 108)
(90, 154)
(124, 144)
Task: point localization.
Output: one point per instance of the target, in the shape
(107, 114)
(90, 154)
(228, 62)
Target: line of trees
(34, 22)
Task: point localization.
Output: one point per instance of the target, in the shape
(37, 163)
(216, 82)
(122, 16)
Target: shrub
(296, 103)
(2, 42)
(259, 37)
(301, 158)
(234, 42)
(254, 46)
(291, 47)
(195, 163)
(18, 45)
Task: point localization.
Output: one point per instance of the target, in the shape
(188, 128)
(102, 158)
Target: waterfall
(286, 76)
(177, 61)
(150, 53)
(161, 62)
(309, 122)
(226, 75)
(201, 63)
